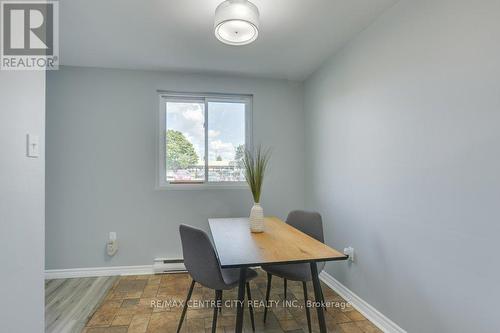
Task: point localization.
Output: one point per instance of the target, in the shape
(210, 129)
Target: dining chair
(202, 263)
(311, 224)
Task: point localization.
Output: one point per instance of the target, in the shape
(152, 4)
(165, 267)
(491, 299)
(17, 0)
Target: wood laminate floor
(69, 303)
(147, 303)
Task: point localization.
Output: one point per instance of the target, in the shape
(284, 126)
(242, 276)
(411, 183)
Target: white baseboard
(98, 271)
(112, 271)
(370, 313)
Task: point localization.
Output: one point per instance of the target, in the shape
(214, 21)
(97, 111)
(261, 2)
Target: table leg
(317, 297)
(241, 299)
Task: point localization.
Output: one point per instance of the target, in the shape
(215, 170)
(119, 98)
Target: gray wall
(22, 111)
(101, 141)
(403, 160)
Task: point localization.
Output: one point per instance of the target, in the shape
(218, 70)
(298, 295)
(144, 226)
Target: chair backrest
(200, 257)
(309, 223)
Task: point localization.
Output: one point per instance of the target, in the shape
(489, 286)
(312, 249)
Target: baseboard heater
(165, 265)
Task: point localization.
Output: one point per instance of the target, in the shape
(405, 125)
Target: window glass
(203, 138)
(185, 142)
(226, 141)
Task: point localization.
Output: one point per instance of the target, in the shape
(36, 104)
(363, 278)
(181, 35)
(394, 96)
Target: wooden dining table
(280, 243)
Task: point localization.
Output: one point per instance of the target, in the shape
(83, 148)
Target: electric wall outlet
(33, 145)
(349, 251)
(112, 248)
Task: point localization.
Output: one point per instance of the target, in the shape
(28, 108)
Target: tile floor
(139, 304)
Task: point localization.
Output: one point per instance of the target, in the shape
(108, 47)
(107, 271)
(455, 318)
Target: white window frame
(164, 96)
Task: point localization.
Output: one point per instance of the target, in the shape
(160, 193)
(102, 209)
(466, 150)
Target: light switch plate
(33, 142)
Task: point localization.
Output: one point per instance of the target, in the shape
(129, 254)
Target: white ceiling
(295, 37)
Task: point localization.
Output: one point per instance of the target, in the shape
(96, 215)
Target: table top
(279, 243)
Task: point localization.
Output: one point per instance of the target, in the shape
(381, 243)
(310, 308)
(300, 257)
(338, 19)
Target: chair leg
(218, 296)
(268, 291)
(184, 309)
(250, 306)
(323, 300)
(220, 308)
(308, 314)
(285, 286)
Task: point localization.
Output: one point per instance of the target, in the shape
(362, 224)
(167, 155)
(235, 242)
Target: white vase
(257, 218)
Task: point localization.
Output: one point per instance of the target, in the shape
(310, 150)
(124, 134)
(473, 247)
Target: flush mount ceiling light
(236, 22)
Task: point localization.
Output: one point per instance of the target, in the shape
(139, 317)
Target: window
(203, 138)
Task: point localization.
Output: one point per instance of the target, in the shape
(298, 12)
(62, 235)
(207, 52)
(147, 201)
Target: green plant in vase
(255, 163)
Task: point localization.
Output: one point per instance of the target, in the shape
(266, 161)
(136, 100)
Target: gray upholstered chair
(311, 224)
(202, 263)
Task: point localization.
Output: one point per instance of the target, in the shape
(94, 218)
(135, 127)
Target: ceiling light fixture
(236, 22)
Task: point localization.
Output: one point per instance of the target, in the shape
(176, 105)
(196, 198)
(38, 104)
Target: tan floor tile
(196, 325)
(134, 294)
(122, 320)
(126, 311)
(368, 327)
(139, 323)
(117, 295)
(126, 285)
(110, 304)
(127, 303)
(350, 328)
(150, 291)
(338, 316)
(282, 314)
(289, 325)
(200, 313)
(227, 321)
(163, 322)
(355, 315)
(101, 318)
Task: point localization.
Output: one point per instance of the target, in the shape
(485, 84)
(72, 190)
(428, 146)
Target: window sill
(199, 187)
